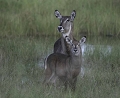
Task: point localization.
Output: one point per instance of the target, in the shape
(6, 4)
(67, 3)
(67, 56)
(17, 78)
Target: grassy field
(36, 17)
(21, 75)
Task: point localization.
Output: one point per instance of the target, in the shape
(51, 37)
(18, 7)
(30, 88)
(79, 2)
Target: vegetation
(21, 75)
(36, 17)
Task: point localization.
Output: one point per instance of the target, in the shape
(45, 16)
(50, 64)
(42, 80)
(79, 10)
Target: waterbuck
(66, 28)
(63, 67)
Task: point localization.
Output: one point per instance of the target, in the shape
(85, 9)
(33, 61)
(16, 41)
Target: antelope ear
(68, 40)
(83, 40)
(57, 14)
(73, 14)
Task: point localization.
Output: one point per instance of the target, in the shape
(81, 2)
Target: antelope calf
(66, 29)
(63, 67)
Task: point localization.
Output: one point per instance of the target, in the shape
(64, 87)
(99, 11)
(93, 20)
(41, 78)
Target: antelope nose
(60, 28)
(75, 50)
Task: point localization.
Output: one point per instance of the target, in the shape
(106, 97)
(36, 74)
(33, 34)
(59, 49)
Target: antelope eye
(73, 45)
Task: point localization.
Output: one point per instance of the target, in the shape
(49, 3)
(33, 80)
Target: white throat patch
(68, 33)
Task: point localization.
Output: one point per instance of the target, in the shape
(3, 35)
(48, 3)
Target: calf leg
(72, 84)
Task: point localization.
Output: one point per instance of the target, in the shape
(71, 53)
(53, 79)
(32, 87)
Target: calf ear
(73, 14)
(57, 14)
(68, 40)
(83, 40)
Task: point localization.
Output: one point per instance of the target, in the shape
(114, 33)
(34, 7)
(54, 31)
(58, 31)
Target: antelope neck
(68, 33)
(75, 61)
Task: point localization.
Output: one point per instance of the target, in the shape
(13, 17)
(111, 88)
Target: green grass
(36, 17)
(22, 77)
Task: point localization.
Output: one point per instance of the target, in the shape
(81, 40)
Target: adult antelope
(63, 67)
(66, 28)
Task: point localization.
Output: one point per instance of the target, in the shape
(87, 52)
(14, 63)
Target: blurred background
(36, 17)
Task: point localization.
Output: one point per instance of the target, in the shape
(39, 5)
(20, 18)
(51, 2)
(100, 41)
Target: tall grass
(22, 77)
(19, 64)
(36, 17)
